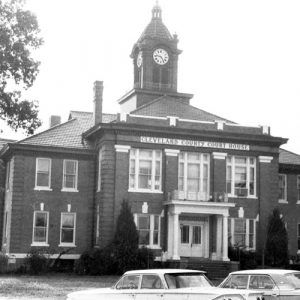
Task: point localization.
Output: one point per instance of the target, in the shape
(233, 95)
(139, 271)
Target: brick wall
(25, 200)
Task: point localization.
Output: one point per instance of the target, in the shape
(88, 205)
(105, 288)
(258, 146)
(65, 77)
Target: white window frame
(34, 243)
(100, 157)
(48, 187)
(151, 230)
(137, 159)
(284, 176)
(64, 188)
(298, 189)
(97, 225)
(200, 195)
(64, 244)
(5, 228)
(247, 233)
(233, 164)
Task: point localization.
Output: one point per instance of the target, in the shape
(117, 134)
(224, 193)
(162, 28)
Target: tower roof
(156, 28)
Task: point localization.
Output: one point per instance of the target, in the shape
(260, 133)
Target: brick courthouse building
(195, 182)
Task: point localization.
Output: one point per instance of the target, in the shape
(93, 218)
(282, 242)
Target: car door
(151, 288)
(127, 287)
(236, 281)
(264, 283)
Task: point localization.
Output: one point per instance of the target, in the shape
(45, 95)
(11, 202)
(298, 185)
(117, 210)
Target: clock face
(139, 59)
(160, 56)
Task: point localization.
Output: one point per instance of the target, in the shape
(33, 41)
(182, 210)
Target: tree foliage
(277, 241)
(19, 36)
(126, 240)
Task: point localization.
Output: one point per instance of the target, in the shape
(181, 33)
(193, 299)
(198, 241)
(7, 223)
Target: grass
(54, 286)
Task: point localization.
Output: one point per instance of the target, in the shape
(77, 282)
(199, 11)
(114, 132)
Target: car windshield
(287, 281)
(185, 280)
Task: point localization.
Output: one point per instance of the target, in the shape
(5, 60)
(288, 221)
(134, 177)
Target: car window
(236, 282)
(261, 282)
(184, 280)
(283, 282)
(294, 278)
(151, 282)
(128, 282)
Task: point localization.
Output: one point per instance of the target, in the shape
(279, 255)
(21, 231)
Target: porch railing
(198, 196)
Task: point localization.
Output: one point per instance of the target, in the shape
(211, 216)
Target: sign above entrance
(193, 143)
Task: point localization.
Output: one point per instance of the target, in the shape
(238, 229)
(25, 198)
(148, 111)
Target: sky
(240, 59)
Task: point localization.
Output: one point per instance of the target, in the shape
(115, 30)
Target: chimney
(98, 93)
(54, 120)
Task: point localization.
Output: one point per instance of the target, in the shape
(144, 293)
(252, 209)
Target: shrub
(276, 254)
(248, 259)
(125, 243)
(145, 258)
(3, 263)
(97, 262)
(37, 261)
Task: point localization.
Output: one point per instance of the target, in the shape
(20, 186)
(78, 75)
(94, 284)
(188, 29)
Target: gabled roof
(68, 134)
(167, 106)
(288, 157)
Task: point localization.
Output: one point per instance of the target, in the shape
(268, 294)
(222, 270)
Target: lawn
(54, 286)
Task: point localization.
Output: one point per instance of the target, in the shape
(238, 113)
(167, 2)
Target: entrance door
(191, 239)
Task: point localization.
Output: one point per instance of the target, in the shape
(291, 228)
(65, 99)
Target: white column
(175, 236)
(219, 237)
(170, 235)
(225, 238)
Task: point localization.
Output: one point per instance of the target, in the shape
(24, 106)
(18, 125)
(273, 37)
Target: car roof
(265, 271)
(163, 271)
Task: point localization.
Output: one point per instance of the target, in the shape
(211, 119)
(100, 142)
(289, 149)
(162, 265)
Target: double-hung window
(282, 186)
(241, 176)
(43, 173)
(145, 170)
(298, 188)
(40, 228)
(67, 229)
(242, 232)
(70, 175)
(193, 176)
(148, 227)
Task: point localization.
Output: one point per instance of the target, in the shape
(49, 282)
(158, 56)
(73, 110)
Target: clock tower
(155, 63)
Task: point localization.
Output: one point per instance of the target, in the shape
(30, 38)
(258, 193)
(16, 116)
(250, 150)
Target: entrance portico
(190, 229)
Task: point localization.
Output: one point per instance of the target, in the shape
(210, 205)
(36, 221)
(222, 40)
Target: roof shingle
(68, 134)
(166, 106)
(288, 157)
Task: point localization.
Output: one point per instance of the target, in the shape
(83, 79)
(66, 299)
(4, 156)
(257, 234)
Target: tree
(125, 242)
(277, 241)
(19, 36)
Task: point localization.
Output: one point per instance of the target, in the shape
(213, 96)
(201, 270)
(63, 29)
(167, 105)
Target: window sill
(242, 197)
(150, 247)
(39, 245)
(66, 245)
(145, 191)
(282, 201)
(69, 190)
(42, 188)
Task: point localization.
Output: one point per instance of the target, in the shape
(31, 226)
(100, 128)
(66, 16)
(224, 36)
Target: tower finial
(156, 11)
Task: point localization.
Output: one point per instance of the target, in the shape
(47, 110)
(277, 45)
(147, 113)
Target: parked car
(276, 284)
(164, 284)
